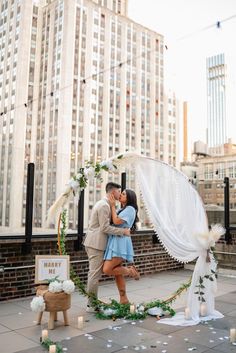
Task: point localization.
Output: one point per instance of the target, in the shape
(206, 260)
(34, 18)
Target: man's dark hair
(111, 186)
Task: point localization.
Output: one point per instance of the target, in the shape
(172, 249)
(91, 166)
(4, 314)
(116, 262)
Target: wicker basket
(54, 301)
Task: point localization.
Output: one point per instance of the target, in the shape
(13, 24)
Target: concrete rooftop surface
(19, 332)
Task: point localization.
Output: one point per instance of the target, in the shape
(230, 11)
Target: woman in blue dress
(119, 248)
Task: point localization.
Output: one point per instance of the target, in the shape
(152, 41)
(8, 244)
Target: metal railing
(78, 244)
(27, 245)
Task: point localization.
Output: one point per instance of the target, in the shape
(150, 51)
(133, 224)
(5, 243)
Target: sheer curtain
(178, 217)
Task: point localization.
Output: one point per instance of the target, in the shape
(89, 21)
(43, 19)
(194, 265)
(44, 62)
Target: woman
(120, 249)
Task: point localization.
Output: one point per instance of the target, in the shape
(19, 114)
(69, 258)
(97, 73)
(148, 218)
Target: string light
(216, 25)
(216, 173)
(84, 81)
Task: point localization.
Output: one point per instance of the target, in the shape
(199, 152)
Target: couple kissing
(108, 242)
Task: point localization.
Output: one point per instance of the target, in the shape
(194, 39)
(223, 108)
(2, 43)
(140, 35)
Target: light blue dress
(121, 246)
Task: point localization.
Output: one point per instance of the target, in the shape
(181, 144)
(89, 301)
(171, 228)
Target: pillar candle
(52, 348)
(203, 309)
(44, 335)
(187, 315)
(232, 335)
(80, 322)
(132, 309)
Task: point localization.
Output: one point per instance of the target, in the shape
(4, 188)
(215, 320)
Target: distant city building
(78, 81)
(170, 130)
(200, 148)
(216, 103)
(211, 173)
(185, 131)
(190, 169)
(118, 6)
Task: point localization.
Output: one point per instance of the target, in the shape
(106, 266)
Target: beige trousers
(95, 258)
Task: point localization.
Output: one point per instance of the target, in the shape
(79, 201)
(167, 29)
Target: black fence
(26, 246)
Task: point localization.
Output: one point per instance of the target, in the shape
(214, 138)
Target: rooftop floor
(19, 332)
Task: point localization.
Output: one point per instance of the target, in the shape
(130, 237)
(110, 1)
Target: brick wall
(17, 279)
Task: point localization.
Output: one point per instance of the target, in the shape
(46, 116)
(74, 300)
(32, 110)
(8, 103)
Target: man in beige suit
(96, 237)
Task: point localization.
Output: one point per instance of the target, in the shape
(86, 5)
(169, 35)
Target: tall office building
(78, 81)
(170, 131)
(19, 71)
(185, 131)
(216, 103)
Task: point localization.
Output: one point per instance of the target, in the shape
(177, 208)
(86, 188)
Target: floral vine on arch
(79, 182)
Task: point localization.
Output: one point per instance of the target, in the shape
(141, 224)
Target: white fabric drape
(176, 211)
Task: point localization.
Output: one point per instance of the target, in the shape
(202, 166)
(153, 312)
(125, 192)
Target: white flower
(140, 308)
(207, 240)
(89, 172)
(79, 176)
(109, 311)
(216, 232)
(74, 184)
(68, 286)
(155, 311)
(55, 287)
(108, 164)
(38, 304)
(103, 163)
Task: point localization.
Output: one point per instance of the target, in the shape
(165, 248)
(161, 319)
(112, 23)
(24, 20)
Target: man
(96, 237)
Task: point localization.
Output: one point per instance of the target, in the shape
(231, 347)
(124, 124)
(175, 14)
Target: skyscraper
(185, 131)
(79, 81)
(216, 104)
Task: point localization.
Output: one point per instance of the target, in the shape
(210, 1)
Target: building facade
(79, 81)
(169, 133)
(216, 103)
(210, 175)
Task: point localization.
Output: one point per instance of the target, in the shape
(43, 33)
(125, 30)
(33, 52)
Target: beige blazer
(99, 226)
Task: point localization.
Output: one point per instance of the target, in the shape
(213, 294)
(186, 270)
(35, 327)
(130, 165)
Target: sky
(183, 24)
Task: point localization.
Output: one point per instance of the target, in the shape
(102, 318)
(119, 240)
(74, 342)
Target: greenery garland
(48, 342)
(61, 234)
(211, 277)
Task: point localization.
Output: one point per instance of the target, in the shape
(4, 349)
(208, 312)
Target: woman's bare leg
(114, 267)
(121, 285)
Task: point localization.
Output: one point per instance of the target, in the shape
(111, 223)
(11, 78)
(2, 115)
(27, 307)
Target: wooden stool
(54, 302)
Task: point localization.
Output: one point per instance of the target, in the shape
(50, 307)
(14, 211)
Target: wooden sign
(51, 266)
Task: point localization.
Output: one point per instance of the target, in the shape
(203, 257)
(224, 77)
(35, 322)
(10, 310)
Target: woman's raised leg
(113, 267)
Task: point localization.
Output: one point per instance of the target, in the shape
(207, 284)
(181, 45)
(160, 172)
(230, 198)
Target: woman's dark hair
(132, 201)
